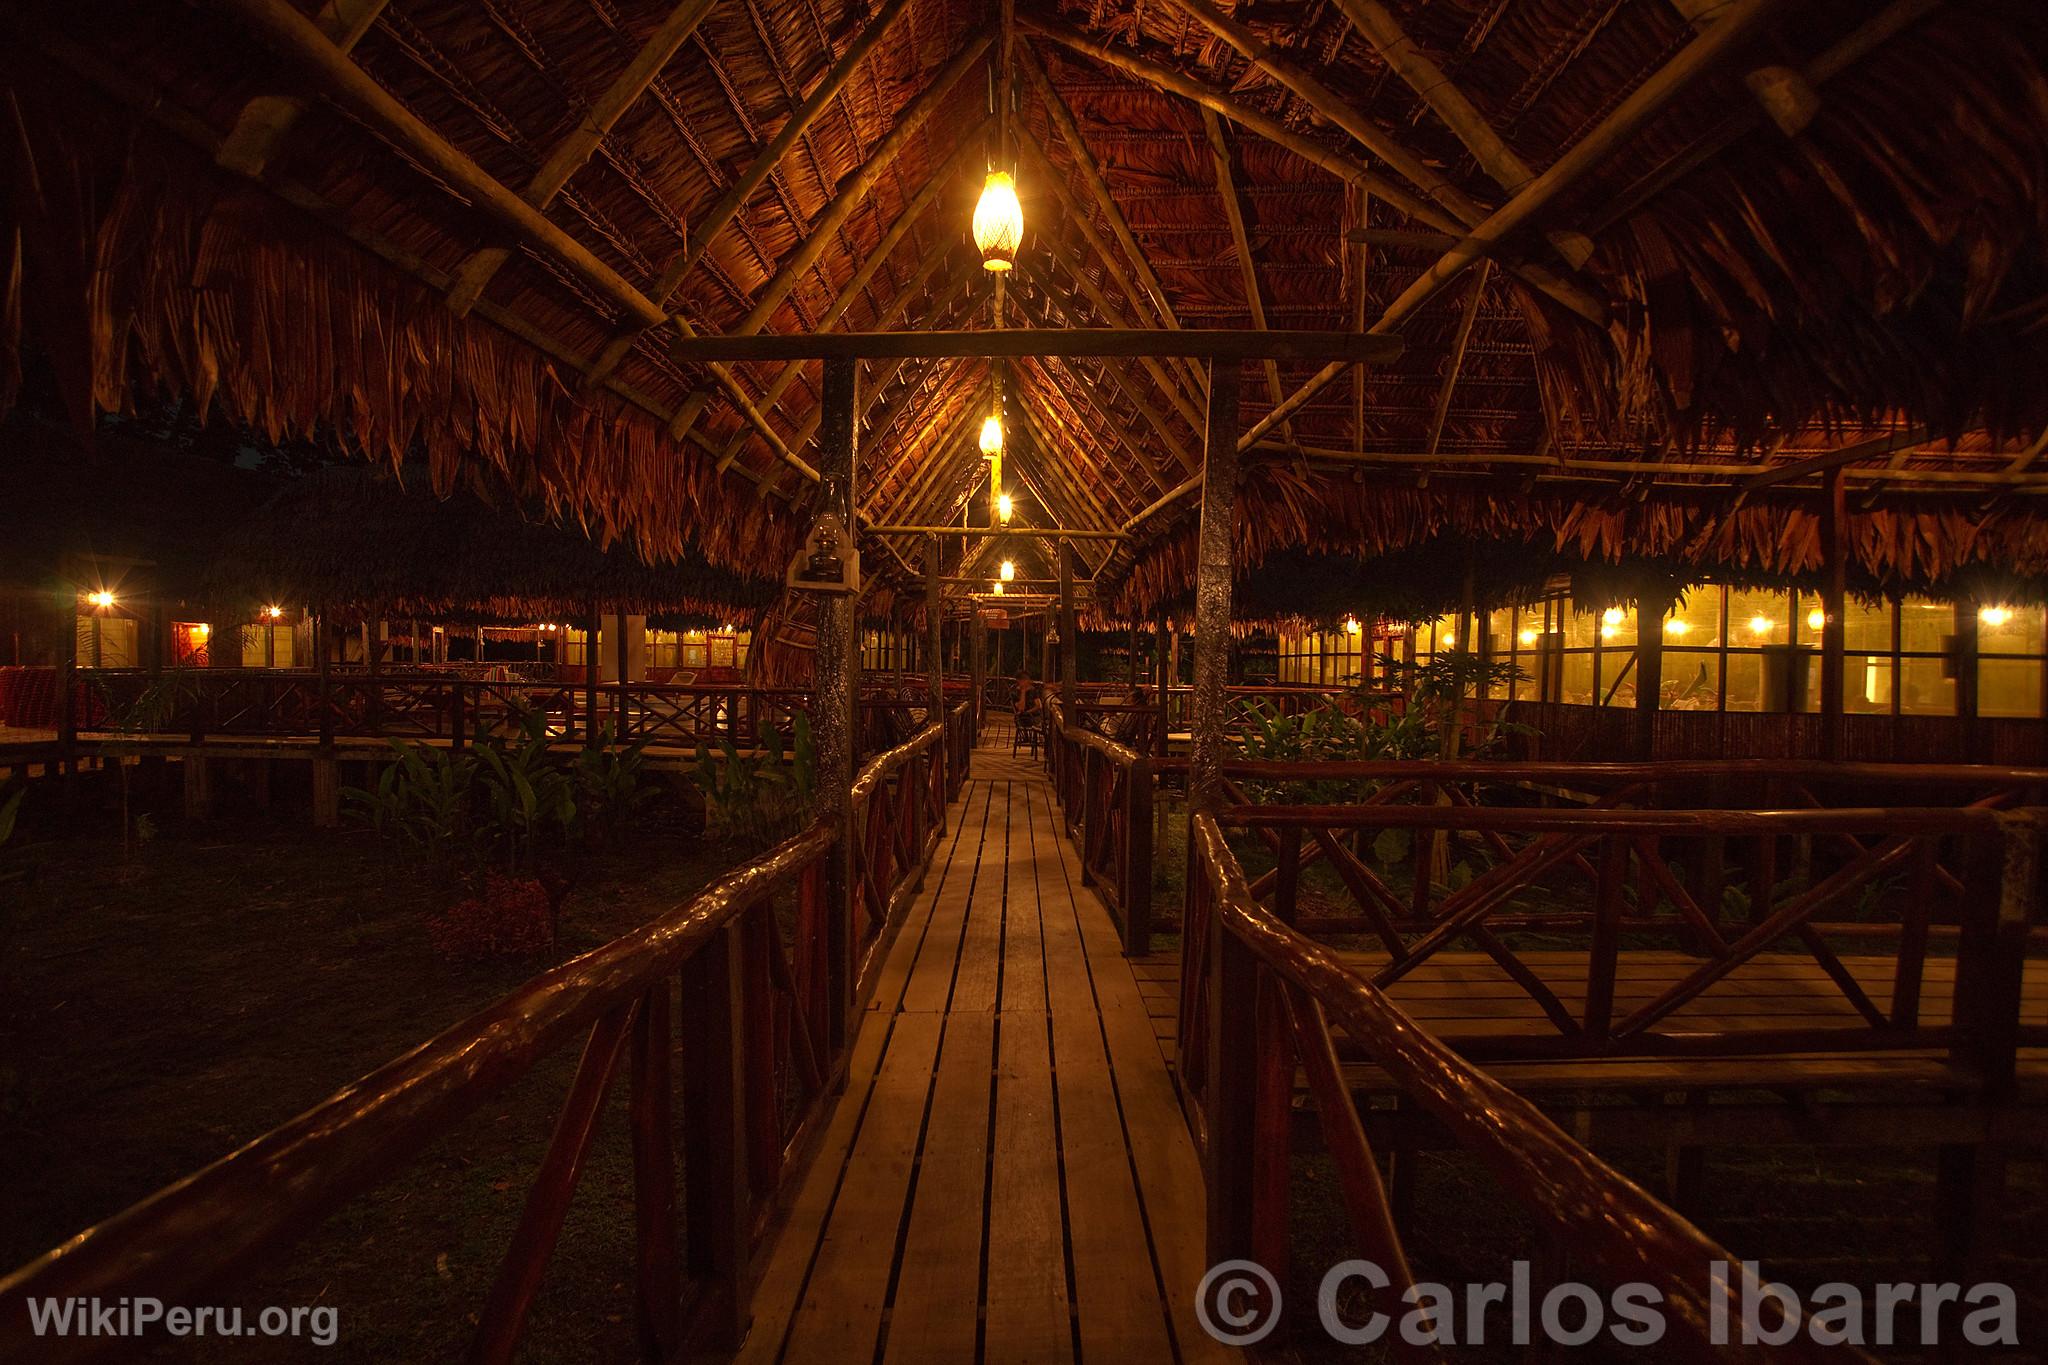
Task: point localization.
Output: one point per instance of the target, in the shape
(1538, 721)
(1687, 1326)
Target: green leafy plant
(754, 798)
(424, 801)
(609, 787)
(526, 797)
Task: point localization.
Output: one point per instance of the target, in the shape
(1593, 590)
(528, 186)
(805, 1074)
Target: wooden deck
(1008, 1176)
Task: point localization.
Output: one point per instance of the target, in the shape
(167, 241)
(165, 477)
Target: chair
(1026, 731)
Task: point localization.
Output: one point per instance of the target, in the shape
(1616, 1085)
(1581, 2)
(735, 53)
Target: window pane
(1745, 682)
(1868, 627)
(1867, 680)
(2009, 630)
(1696, 620)
(1692, 679)
(1758, 618)
(1926, 687)
(2009, 687)
(1925, 627)
(1578, 678)
(1580, 627)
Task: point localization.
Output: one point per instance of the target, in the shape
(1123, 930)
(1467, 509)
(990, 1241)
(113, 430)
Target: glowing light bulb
(1608, 632)
(998, 222)
(1004, 507)
(1613, 616)
(1527, 637)
(102, 598)
(273, 612)
(1009, 570)
(997, 587)
(992, 435)
(1761, 625)
(201, 631)
(1677, 627)
(1351, 626)
(1995, 616)
(1816, 619)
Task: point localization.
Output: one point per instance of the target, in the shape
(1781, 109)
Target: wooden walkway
(1008, 1177)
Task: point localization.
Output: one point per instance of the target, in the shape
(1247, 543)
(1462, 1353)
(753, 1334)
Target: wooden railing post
(1229, 1090)
(716, 1203)
(651, 1116)
(1606, 948)
(1138, 859)
(1090, 819)
(1998, 889)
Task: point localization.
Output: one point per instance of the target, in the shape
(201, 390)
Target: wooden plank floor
(1007, 1177)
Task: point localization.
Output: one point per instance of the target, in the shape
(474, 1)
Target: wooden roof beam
(261, 126)
(1347, 170)
(1153, 292)
(854, 287)
(1458, 344)
(1898, 442)
(1104, 419)
(1325, 102)
(1421, 74)
(1248, 267)
(1153, 417)
(729, 204)
(1062, 467)
(302, 44)
(1787, 98)
(1743, 20)
(1100, 251)
(852, 191)
(570, 154)
(1025, 342)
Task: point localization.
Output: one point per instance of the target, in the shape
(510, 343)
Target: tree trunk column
(977, 663)
(1212, 589)
(834, 660)
(1650, 612)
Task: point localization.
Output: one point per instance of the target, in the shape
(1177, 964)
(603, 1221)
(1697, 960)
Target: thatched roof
(1831, 230)
(362, 543)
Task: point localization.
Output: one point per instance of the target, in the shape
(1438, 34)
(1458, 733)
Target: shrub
(508, 917)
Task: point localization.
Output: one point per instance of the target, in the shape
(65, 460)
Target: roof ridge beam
(261, 126)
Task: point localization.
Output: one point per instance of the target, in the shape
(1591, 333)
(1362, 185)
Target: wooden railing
(766, 1018)
(1106, 791)
(1960, 876)
(1273, 995)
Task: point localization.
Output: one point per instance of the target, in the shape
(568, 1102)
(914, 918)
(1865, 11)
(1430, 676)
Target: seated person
(1030, 710)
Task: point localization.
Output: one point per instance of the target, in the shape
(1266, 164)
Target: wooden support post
(1967, 679)
(1233, 1066)
(834, 722)
(67, 690)
(592, 623)
(1070, 652)
(1834, 551)
(977, 662)
(718, 1213)
(1649, 672)
(1214, 554)
(934, 627)
(1162, 680)
(620, 721)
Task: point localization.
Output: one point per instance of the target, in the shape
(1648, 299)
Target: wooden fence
(767, 1016)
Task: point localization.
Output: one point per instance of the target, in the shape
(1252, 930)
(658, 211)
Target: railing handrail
(1614, 1223)
(1517, 770)
(1542, 819)
(274, 1190)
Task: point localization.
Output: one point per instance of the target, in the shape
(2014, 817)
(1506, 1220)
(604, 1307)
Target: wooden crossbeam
(1247, 264)
(1048, 532)
(1331, 106)
(852, 191)
(261, 126)
(1743, 20)
(1897, 441)
(1421, 74)
(1458, 344)
(1018, 342)
(1346, 169)
(570, 154)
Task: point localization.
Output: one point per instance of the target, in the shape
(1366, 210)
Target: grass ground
(158, 1011)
